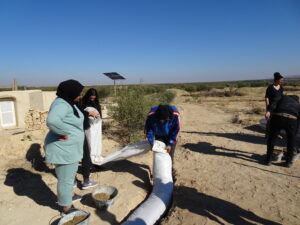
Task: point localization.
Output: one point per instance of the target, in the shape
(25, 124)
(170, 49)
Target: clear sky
(150, 41)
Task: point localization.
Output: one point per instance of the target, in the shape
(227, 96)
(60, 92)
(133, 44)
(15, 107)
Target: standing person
(64, 141)
(286, 115)
(163, 124)
(92, 117)
(273, 93)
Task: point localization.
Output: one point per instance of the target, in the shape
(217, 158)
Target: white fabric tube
(153, 208)
(94, 137)
(126, 152)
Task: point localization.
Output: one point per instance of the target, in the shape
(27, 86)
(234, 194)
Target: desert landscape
(219, 175)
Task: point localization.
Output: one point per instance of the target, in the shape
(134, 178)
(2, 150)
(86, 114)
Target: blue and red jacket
(167, 131)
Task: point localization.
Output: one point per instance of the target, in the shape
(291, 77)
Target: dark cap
(163, 112)
(277, 76)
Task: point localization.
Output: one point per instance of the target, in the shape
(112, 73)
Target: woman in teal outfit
(64, 141)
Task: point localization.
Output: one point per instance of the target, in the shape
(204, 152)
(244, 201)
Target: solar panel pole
(114, 76)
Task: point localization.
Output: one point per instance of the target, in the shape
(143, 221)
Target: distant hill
(293, 77)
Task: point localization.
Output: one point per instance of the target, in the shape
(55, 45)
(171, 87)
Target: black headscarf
(87, 102)
(69, 90)
(277, 76)
(164, 112)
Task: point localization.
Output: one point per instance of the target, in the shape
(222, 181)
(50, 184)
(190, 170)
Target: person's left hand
(168, 148)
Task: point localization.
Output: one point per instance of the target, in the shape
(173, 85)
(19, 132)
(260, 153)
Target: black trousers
(278, 123)
(86, 160)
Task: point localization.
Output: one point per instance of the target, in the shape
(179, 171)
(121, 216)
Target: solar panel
(114, 76)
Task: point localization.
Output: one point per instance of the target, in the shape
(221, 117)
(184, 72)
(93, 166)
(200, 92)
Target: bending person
(163, 124)
(285, 116)
(64, 141)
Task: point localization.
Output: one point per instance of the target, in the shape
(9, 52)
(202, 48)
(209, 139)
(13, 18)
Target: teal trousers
(66, 175)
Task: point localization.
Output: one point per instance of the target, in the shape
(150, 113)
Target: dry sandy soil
(220, 178)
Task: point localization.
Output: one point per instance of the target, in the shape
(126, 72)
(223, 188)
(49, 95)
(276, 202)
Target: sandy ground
(220, 178)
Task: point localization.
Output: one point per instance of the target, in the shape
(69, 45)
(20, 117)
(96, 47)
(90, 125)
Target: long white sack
(153, 208)
(94, 137)
(126, 152)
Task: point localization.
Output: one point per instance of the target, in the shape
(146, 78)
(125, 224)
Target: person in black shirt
(273, 93)
(90, 99)
(285, 115)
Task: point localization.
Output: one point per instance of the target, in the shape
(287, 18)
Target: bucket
(69, 217)
(104, 192)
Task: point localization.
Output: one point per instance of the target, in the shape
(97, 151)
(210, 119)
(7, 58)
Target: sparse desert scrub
(257, 110)
(131, 109)
(130, 112)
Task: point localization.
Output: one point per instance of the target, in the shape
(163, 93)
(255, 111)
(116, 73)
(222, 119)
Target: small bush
(257, 110)
(130, 112)
(190, 88)
(203, 87)
(236, 119)
(104, 92)
(166, 98)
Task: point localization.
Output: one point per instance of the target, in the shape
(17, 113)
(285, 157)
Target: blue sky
(150, 41)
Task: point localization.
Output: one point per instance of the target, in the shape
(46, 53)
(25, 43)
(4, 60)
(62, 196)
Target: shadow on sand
(34, 156)
(208, 148)
(234, 136)
(212, 208)
(26, 183)
(143, 172)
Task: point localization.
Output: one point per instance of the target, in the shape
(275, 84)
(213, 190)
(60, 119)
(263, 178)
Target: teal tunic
(62, 121)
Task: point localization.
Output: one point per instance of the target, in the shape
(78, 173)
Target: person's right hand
(267, 116)
(94, 114)
(62, 137)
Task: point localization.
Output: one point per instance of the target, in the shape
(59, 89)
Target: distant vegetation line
(107, 90)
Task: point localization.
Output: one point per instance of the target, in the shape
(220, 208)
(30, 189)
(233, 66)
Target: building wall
(48, 98)
(32, 100)
(36, 100)
(24, 101)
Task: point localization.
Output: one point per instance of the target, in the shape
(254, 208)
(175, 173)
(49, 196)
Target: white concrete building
(14, 105)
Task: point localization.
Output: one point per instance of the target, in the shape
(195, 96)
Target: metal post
(115, 87)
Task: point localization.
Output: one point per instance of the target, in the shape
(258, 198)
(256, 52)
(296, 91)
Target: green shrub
(104, 92)
(190, 88)
(203, 87)
(131, 112)
(166, 98)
